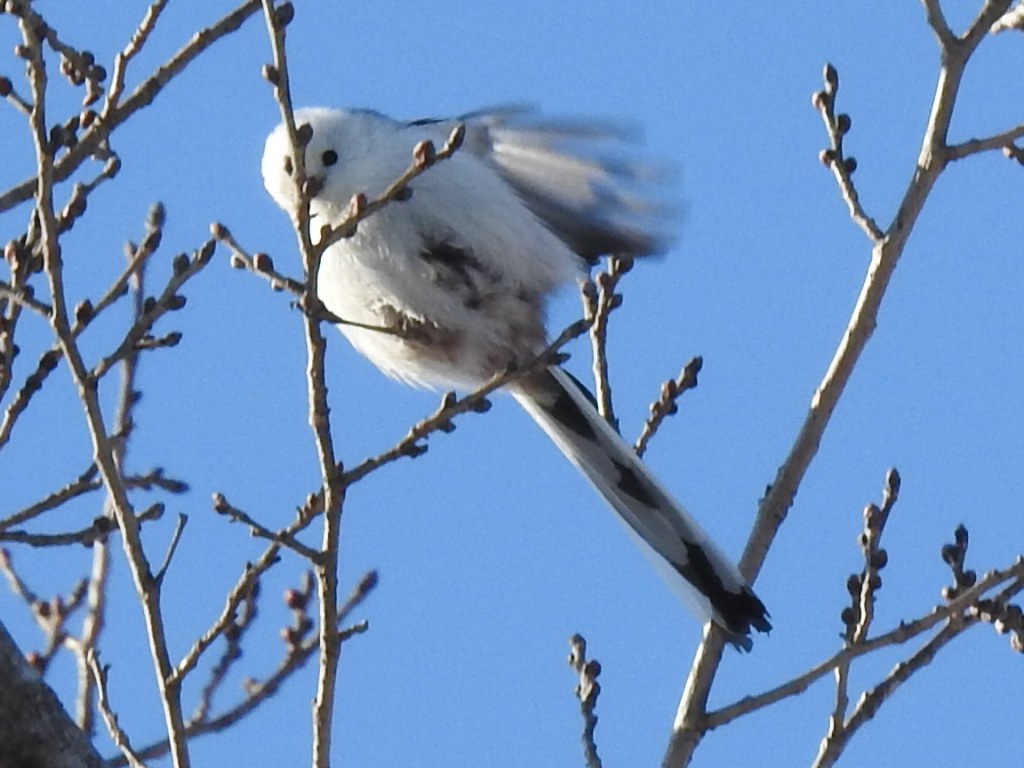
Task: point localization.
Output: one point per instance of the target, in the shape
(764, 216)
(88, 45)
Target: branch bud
(455, 138)
(283, 15)
(357, 205)
(261, 262)
(424, 153)
(180, 264)
(84, 312)
(271, 74)
(831, 78)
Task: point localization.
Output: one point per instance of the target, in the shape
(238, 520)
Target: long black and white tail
(707, 580)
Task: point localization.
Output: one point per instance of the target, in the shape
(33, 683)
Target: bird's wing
(577, 177)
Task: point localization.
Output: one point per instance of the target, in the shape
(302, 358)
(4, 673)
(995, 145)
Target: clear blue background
(491, 550)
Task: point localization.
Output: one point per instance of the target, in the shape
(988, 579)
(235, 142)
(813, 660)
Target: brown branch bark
(34, 727)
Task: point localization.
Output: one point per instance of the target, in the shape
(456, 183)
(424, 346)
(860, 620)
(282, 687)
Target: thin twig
(86, 312)
(870, 701)
(87, 483)
(862, 587)
(836, 127)
(587, 691)
(85, 536)
(359, 593)
(169, 300)
(332, 484)
(117, 734)
(665, 405)
(142, 96)
(258, 263)
(172, 547)
(234, 633)
(223, 507)
(875, 558)
(261, 264)
(599, 300)
(997, 141)
(24, 298)
(84, 483)
(50, 615)
(99, 528)
(92, 628)
(451, 406)
(32, 384)
(238, 595)
(13, 98)
(81, 68)
(424, 157)
(122, 59)
(259, 691)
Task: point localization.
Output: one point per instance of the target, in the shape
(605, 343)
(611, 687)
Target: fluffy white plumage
(464, 268)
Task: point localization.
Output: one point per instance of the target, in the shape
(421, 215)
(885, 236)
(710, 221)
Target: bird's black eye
(329, 158)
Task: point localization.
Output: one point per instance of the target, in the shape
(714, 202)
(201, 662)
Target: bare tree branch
(599, 300)
(904, 632)
(332, 484)
(587, 691)
(120, 738)
(691, 719)
(142, 96)
(665, 405)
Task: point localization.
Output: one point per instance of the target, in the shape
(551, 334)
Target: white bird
(464, 268)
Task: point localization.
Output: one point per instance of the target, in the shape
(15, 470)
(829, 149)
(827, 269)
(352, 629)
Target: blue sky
(491, 550)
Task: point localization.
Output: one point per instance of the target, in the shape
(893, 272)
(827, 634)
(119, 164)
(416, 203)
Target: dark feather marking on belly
(461, 272)
(443, 343)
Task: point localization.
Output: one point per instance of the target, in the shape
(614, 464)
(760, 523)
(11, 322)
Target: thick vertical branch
(690, 722)
(326, 565)
(88, 391)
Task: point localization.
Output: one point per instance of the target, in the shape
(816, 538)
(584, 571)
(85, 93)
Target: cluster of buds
(81, 68)
(863, 586)
(837, 125)
(954, 555)
(588, 688)
(599, 294)
(1004, 616)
